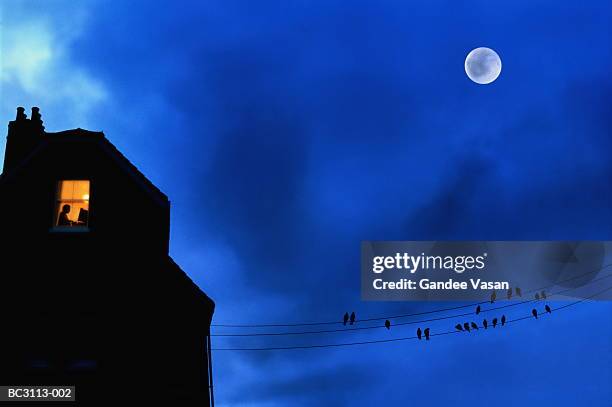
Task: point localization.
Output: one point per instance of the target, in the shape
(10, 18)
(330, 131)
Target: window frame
(55, 208)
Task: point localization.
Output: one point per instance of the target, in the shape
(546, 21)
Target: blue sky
(286, 132)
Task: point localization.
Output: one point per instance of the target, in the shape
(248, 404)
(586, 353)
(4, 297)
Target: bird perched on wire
(474, 326)
(426, 333)
(485, 324)
(346, 318)
(352, 318)
(503, 320)
(387, 324)
(478, 310)
(534, 312)
(458, 327)
(547, 308)
(537, 296)
(509, 293)
(493, 296)
(466, 326)
(518, 291)
(419, 333)
(543, 294)
(494, 322)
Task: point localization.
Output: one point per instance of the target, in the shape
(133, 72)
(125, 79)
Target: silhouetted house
(88, 294)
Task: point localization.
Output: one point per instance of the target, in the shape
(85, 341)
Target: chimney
(24, 135)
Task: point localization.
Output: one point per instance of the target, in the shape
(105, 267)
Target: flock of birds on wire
(468, 326)
(464, 326)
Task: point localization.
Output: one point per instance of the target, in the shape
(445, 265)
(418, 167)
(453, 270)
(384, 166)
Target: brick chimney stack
(24, 136)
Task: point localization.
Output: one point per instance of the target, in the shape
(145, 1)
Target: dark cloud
(337, 385)
(468, 197)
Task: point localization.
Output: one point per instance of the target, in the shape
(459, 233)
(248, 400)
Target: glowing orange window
(72, 204)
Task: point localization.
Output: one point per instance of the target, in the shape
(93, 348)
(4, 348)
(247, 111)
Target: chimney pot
(20, 114)
(36, 114)
(36, 118)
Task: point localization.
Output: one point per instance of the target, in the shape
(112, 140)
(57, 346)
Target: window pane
(72, 207)
(81, 190)
(65, 189)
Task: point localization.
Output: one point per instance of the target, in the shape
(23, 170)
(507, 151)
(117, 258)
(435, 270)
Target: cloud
(336, 384)
(37, 66)
(27, 52)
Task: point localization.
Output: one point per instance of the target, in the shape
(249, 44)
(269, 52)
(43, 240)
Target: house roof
(98, 137)
(186, 282)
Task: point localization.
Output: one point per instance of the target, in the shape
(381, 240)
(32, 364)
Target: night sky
(287, 132)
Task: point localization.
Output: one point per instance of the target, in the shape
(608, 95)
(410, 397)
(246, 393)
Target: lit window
(72, 204)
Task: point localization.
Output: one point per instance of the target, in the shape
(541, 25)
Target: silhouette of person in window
(63, 216)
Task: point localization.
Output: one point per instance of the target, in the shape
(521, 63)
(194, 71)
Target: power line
(279, 325)
(396, 324)
(335, 345)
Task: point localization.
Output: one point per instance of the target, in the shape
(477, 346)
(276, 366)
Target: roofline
(108, 147)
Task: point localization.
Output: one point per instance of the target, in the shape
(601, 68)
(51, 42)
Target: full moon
(483, 65)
